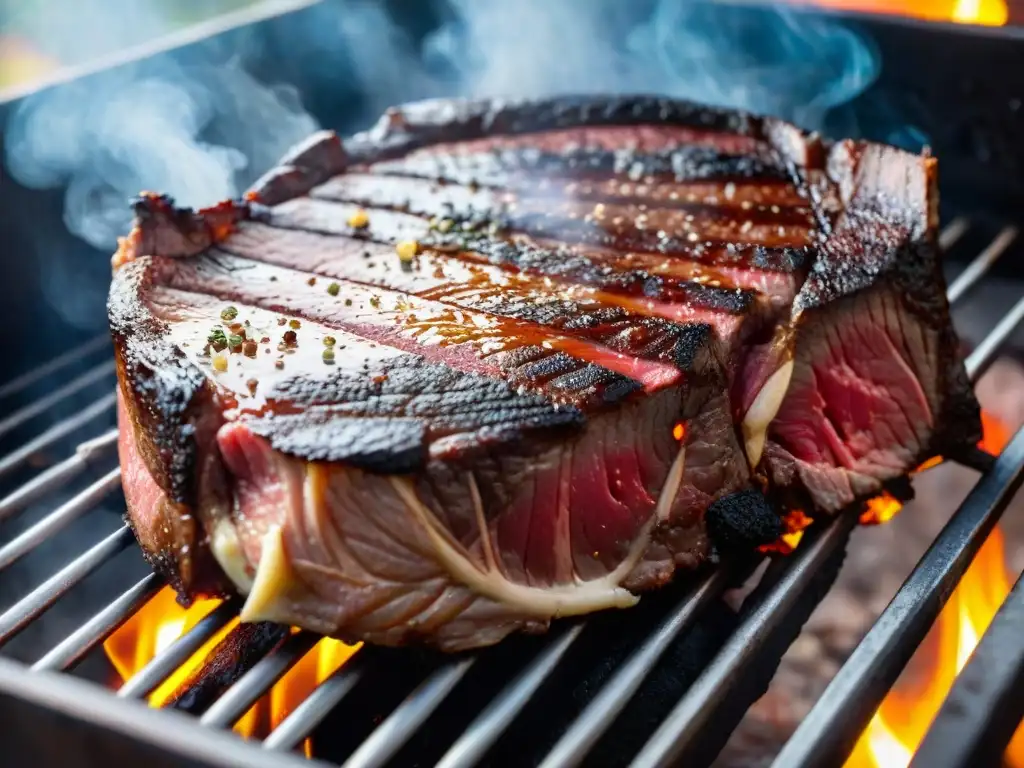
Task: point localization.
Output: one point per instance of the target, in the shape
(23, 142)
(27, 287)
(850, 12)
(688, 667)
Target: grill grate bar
(16, 458)
(39, 600)
(298, 725)
(598, 716)
(701, 701)
(953, 231)
(686, 720)
(848, 702)
(498, 715)
(31, 377)
(43, 404)
(982, 263)
(160, 667)
(401, 724)
(75, 647)
(58, 475)
(985, 354)
(247, 690)
(61, 517)
(984, 707)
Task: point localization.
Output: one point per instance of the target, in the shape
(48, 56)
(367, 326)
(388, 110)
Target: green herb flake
(217, 339)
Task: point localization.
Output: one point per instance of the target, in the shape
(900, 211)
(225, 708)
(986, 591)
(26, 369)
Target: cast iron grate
(977, 719)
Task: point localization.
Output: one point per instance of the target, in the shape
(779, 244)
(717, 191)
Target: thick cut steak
(491, 363)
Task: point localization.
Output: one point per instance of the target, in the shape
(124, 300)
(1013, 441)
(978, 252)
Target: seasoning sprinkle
(250, 348)
(294, 323)
(348, 302)
(407, 249)
(279, 364)
(330, 341)
(375, 302)
(290, 337)
(359, 220)
(228, 314)
(217, 339)
(252, 384)
(328, 356)
(333, 289)
(311, 281)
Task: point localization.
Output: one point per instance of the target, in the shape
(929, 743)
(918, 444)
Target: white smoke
(779, 61)
(201, 130)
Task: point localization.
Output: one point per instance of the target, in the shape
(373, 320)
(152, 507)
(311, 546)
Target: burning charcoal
(742, 522)
(231, 658)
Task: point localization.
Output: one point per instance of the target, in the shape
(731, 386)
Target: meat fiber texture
(493, 363)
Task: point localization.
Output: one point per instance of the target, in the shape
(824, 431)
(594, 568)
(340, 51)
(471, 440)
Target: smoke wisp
(201, 130)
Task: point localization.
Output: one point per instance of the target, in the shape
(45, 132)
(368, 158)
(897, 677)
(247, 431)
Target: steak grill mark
(626, 307)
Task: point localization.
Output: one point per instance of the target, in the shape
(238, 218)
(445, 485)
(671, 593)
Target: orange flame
(793, 524)
(902, 720)
(993, 13)
(161, 621)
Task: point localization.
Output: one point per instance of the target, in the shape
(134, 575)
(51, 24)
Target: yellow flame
(162, 621)
(903, 719)
(983, 12)
(881, 509)
(989, 12)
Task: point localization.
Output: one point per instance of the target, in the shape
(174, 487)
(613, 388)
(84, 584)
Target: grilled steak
(493, 363)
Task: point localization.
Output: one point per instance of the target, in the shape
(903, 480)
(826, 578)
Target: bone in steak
(492, 363)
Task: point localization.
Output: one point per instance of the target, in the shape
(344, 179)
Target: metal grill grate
(831, 728)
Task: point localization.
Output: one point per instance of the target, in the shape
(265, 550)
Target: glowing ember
(934, 461)
(679, 431)
(880, 509)
(902, 720)
(162, 621)
(995, 434)
(794, 523)
(985, 12)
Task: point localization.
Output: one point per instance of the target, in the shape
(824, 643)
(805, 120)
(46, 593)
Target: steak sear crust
(493, 363)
